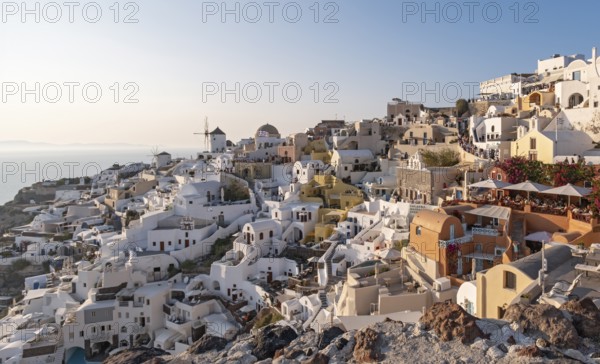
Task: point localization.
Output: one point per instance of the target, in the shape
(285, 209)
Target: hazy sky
(179, 54)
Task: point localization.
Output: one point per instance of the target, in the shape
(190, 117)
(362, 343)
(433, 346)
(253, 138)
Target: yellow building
(545, 145)
(504, 284)
(332, 192)
(328, 220)
(536, 100)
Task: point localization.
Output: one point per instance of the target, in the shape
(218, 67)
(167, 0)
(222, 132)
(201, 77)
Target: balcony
(459, 241)
(178, 324)
(485, 231)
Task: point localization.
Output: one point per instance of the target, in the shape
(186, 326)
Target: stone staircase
(59, 355)
(517, 233)
(323, 299)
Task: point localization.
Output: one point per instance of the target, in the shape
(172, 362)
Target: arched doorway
(575, 99)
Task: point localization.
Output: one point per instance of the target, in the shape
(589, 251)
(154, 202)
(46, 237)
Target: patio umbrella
(388, 254)
(539, 236)
(528, 187)
(569, 190)
(490, 184)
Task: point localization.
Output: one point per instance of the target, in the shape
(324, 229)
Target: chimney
(594, 54)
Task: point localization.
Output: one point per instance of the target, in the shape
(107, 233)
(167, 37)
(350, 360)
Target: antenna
(206, 133)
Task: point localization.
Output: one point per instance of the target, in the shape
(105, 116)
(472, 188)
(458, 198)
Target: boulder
(136, 356)
(450, 321)
(271, 338)
(207, 343)
(543, 321)
(531, 351)
(367, 348)
(327, 336)
(586, 317)
(317, 359)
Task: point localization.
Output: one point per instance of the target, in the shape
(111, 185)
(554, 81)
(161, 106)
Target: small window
(261, 236)
(418, 231)
(532, 143)
(510, 280)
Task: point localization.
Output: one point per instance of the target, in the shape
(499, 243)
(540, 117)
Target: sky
(151, 72)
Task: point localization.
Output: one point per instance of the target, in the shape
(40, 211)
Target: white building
(217, 142)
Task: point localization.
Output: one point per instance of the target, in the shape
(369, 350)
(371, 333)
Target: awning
(498, 212)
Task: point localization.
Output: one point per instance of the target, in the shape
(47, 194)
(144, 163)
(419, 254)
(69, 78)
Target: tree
(188, 266)
(462, 106)
(442, 158)
(565, 172)
(236, 191)
(519, 169)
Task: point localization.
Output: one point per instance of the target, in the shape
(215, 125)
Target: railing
(549, 210)
(485, 231)
(459, 241)
(583, 217)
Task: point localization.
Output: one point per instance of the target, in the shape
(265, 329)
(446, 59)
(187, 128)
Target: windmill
(154, 155)
(206, 134)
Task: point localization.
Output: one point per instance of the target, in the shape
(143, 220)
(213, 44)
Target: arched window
(261, 236)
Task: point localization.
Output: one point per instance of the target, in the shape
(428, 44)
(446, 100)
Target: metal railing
(485, 231)
(459, 241)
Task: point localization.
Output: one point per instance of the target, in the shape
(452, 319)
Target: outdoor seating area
(541, 199)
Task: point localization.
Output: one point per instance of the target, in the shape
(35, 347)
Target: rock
(450, 321)
(317, 359)
(585, 315)
(278, 353)
(541, 343)
(270, 339)
(327, 336)
(340, 343)
(514, 349)
(136, 356)
(242, 358)
(367, 347)
(511, 340)
(503, 348)
(531, 351)
(308, 352)
(577, 355)
(495, 353)
(266, 361)
(480, 344)
(544, 321)
(207, 343)
(291, 354)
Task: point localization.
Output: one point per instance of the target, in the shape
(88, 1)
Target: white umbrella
(528, 187)
(388, 254)
(569, 190)
(490, 184)
(539, 236)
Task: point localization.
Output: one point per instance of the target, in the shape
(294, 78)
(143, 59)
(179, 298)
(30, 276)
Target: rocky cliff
(445, 334)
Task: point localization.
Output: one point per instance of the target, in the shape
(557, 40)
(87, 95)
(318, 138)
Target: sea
(19, 169)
